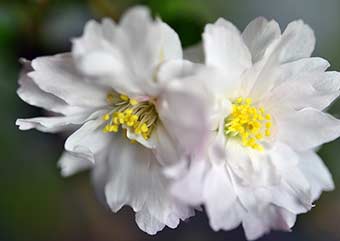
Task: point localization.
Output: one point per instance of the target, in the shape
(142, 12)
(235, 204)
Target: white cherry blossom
(123, 89)
(267, 117)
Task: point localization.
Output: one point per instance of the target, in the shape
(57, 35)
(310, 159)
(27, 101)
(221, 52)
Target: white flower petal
(148, 223)
(298, 41)
(225, 49)
(89, 140)
(189, 187)
(293, 69)
(132, 50)
(292, 194)
(164, 146)
(70, 164)
(316, 173)
(270, 217)
(307, 129)
(183, 114)
(258, 35)
(52, 124)
(57, 75)
(220, 199)
(283, 156)
(136, 180)
(33, 95)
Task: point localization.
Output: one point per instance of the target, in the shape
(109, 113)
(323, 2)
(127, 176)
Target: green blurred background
(37, 204)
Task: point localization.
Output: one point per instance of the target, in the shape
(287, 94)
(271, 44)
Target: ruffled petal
(136, 180)
(256, 224)
(57, 75)
(308, 89)
(316, 173)
(296, 42)
(220, 200)
(132, 50)
(33, 95)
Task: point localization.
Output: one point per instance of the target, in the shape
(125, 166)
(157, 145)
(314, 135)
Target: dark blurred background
(37, 204)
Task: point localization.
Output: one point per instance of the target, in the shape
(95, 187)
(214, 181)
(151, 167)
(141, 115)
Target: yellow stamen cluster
(249, 123)
(141, 117)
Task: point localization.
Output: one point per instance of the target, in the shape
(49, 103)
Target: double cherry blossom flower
(260, 168)
(123, 88)
(236, 133)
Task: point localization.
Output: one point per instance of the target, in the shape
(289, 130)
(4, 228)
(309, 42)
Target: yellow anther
(138, 131)
(106, 117)
(114, 128)
(129, 123)
(115, 120)
(128, 111)
(121, 120)
(248, 122)
(133, 102)
(239, 100)
(130, 114)
(106, 128)
(134, 118)
(124, 97)
(144, 128)
(145, 136)
(259, 136)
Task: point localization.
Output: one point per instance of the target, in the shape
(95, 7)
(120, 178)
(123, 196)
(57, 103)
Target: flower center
(247, 122)
(140, 117)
